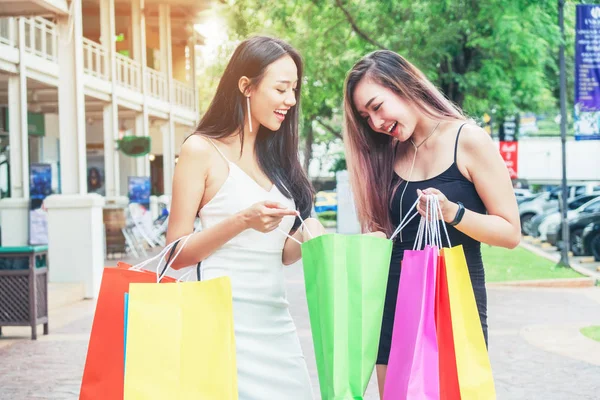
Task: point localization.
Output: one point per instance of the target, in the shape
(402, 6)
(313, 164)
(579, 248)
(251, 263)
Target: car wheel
(595, 247)
(577, 242)
(526, 223)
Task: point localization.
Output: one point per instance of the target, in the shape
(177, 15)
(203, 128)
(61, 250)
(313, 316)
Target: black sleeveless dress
(456, 187)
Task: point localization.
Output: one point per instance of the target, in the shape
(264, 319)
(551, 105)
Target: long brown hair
(371, 154)
(277, 152)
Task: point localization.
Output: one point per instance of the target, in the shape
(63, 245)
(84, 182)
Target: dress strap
(456, 144)
(219, 150)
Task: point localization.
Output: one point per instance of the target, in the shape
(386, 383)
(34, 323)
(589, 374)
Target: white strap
(303, 224)
(186, 275)
(443, 223)
(406, 219)
(423, 234)
(159, 275)
(139, 266)
(219, 150)
(163, 254)
(435, 226)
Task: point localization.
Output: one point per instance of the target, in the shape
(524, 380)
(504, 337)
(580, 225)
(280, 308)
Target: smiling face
(275, 94)
(384, 110)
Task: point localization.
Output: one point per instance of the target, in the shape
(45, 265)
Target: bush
(328, 216)
(328, 219)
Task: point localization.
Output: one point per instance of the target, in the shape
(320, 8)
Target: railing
(8, 31)
(95, 60)
(156, 85)
(41, 38)
(183, 95)
(128, 72)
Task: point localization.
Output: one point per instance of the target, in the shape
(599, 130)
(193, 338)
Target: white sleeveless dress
(269, 359)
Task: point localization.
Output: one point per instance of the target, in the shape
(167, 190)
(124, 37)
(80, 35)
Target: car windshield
(591, 206)
(579, 201)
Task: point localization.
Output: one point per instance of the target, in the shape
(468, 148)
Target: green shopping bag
(346, 280)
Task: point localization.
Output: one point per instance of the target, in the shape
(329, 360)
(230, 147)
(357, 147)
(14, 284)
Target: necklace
(412, 167)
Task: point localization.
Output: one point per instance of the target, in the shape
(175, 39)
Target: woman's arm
(501, 225)
(292, 251)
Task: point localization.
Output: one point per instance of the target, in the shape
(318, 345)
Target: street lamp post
(564, 254)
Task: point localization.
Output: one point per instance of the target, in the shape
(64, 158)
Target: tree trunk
(308, 143)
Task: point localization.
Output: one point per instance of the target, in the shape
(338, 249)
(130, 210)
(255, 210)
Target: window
(593, 208)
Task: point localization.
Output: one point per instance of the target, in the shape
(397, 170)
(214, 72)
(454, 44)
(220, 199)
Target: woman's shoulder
(473, 139)
(198, 145)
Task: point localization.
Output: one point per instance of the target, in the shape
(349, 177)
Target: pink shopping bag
(413, 367)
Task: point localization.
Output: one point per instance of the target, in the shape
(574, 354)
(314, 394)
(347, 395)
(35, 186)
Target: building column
(138, 20)
(193, 82)
(168, 129)
(14, 211)
(111, 111)
(142, 164)
(168, 134)
(111, 159)
(76, 251)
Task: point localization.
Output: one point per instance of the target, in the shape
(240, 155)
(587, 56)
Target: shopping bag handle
(429, 231)
(303, 224)
(407, 218)
(170, 256)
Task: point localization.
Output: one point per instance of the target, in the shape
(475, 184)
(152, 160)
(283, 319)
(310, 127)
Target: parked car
(326, 201)
(548, 201)
(591, 240)
(576, 227)
(537, 206)
(539, 224)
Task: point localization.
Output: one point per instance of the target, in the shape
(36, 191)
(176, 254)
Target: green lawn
(519, 265)
(593, 332)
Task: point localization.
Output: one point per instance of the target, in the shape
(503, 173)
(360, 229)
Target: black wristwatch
(459, 214)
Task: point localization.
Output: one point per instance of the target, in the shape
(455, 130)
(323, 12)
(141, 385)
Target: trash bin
(24, 287)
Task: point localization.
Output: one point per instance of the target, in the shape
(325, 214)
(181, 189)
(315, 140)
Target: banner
(587, 72)
(510, 154)
(40, 187)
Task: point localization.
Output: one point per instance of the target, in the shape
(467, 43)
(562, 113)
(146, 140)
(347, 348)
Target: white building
(84, 72)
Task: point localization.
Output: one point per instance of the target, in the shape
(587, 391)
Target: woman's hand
(449, 209)
(265, 216)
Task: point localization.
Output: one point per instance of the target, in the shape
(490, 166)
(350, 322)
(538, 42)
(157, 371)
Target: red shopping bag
(103, 375)
(443, 319)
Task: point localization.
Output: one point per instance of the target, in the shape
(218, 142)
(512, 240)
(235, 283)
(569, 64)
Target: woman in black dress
(403, 139)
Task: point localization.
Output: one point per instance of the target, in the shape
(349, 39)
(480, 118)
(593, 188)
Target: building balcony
(134, 85)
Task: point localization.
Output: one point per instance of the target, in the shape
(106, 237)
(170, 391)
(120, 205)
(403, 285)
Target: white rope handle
(139, 266)
(186, 275)
(159, 275)
(163, 254)
(303, 224)
(443, 223)
(423, 227)
(435, 226)
(406, 218)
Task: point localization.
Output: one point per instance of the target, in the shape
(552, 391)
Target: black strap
(456, 144)
(170, 256)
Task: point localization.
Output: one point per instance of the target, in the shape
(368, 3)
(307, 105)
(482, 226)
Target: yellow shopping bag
(472, 360)
(180, 341)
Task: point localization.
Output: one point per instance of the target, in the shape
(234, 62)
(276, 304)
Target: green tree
(493, 55)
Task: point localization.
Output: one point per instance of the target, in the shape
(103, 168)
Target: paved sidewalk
(536, 349)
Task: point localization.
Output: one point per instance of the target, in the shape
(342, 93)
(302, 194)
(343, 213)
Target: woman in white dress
(240, 173)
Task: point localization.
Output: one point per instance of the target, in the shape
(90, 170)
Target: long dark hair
(371, 154)
(277, 152)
